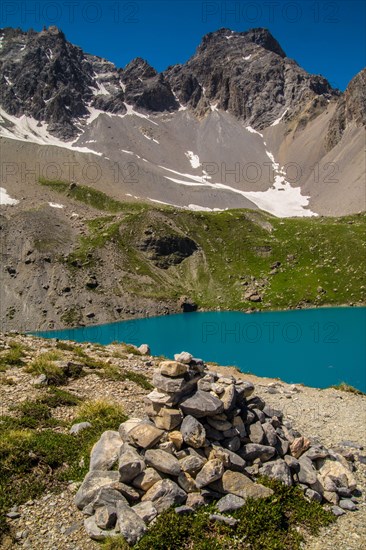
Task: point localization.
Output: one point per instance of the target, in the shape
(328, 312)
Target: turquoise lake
(316, 347)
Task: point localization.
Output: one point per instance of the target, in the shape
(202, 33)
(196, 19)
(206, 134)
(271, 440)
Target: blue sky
(324, 37)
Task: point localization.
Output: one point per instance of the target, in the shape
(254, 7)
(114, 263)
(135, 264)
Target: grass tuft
(343, 386)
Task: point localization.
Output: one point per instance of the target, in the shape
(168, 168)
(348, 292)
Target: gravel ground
(333, 417)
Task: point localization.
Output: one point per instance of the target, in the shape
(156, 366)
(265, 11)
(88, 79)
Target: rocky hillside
(59, 399)
(109, 260)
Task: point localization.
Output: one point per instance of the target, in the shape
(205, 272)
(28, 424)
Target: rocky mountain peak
(138, 68)
(260, 36)
(351, 109)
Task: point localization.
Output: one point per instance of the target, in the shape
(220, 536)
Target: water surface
(316, 347)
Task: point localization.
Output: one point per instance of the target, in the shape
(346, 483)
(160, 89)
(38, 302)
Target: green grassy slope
(320, 261)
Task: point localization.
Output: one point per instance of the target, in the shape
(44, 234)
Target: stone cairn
(205, 437)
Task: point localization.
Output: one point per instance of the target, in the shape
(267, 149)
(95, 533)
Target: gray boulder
(145, 435)
(146, 510)
(105, 452)
(307, 473)
(163, 462)
(193, 432)
(202, 404)
(106, 517)
(183, 357)
(279, 470)
(251, 451)
(93, 482)
(229, 503)
(146, 479)
(130, 524)
(347, 504)
(95, 532)
(130, 463)
(211, 471)
(165, 494)
(192, 464)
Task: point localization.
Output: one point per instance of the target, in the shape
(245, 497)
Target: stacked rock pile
(205, 438)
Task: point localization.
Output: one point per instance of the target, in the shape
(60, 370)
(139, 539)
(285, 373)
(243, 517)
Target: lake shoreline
(173, 312)
(318, 347)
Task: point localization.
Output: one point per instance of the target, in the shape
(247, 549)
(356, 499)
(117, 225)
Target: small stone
(95, 532)
(337, 511)
(93, 482)
(256, 433)
(269, 434)
(347, 504)
(173, 368)
(161, 398)
(144, 349)
(130, 464)
(146, 510)
(106, 517)
(13, 515)
(174, 385)
(239, 425)
(223, 519)
(145, 435)
(307, 473)
(176, 438)
(313, 495)
(130, 524)
(168, 419)
(201, 404)
(251, 451)
(232, 444)
(229, 503)
(105, 452)
(336, 470)
(279, 470)
(193, 432)
(240, 485)
(165, 494)
(211, 471)
(187, 483)
(79, 427)
(228, 398)
(125, 428)
(163, 462)
(299, 446)
(183, 357)
(146, 479)
(195, 500)
(219, 425)
(192, 464)
(183, 510)
(292, 463)
(107, 496)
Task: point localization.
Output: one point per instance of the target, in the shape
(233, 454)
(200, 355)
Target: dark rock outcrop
(351, 108)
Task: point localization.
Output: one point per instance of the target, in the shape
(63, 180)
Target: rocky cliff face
(351, 108)
(247, 74)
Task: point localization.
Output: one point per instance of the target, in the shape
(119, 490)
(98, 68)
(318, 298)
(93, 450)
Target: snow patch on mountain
(193, 159)
(5, 198)
(29, 130)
